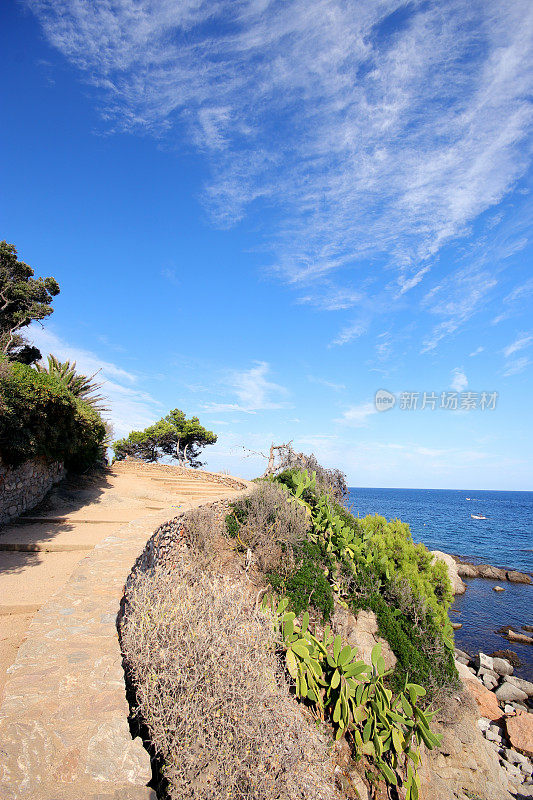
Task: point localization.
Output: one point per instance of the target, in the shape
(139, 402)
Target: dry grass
(273, 521)
(212, 693)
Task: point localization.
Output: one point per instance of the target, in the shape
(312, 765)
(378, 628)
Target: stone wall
(23, 487)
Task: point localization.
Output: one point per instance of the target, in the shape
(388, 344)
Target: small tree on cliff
(23, 299)
(174, 436)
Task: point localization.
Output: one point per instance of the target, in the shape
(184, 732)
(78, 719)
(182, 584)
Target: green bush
(420, 654)
(394, 554)
(376, 565)
(40, 417)
(306, 585)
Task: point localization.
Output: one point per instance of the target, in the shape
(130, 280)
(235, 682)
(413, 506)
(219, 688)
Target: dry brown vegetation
(273, 520)
(212, 692)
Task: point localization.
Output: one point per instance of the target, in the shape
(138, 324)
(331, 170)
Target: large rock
(494, 573)
(513, 636)
(361, 631)
(483, 661)
(508, 693)
(467, 570)
(486, 701)
(458, 586)
(520, 683)
(502, 666)
(464, 765)
(518, 577)
(520, 732)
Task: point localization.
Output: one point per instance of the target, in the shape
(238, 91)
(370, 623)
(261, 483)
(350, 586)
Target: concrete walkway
(63, 720)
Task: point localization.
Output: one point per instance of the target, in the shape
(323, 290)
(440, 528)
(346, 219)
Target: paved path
(63, 721)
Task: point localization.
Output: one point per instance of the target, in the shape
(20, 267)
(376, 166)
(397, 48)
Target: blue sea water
(441, 519)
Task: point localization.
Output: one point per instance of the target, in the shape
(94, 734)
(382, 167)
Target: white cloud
(476, 352)
(253, 391)
(459, 380)
(455, 300)
(372, 140)
(522, 341)
(357, 416)
(130, 408)
(350, 332)
(337, 387)
(516, 366)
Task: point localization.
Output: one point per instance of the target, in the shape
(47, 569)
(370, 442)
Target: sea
(441, 519)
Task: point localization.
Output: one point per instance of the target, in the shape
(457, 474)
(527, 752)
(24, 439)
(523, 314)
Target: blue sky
(264, 212)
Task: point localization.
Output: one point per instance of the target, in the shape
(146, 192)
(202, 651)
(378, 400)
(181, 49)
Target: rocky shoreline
(505, 706)
(466, 569)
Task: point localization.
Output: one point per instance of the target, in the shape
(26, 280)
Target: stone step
(46, 537)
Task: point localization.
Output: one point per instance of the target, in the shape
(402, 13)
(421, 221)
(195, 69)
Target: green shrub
(392, 552)
(388, 728)
(375, 564)
(307, 585)
(420, 654)
(40, 417)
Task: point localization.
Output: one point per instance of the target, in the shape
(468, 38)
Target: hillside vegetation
(41, 416)
(225, 641)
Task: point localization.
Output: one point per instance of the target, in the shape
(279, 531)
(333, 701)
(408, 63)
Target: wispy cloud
(130, 407)
(517, 365)
(253, 391)
(476, 352)
(357, 416)
(350, 332)
(337, 387)
(522, 341)
(455, 301)
(377, 132)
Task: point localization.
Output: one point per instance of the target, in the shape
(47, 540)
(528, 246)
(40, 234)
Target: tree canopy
(173, 436)
(23, 299)
(82, 386)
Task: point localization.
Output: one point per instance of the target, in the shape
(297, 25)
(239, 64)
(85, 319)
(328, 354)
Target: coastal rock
(507, 693)
(518, 577)
(361, 631)
(493, 573)
(520, 683)
(483, 661)
(461, 654)
(464, 762)
(514, 757)
(498, 589)
(520, 732)
(508, 655)
(458, 586)
(527, 628)
(457, 625)
(490, 681)
(513, 636)
(487, 702)
(502, 666)
(467, 570)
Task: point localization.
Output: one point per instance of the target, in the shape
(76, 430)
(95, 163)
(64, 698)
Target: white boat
(477, 516)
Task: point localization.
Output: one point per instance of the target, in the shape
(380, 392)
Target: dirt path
(39, 553)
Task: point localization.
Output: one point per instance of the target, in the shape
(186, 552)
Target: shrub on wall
(39, 416)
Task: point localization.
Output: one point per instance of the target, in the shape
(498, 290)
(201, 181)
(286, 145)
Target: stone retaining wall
(23, 487)
(163, 545)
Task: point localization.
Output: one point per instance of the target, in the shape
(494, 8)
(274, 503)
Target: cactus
(387, 729)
